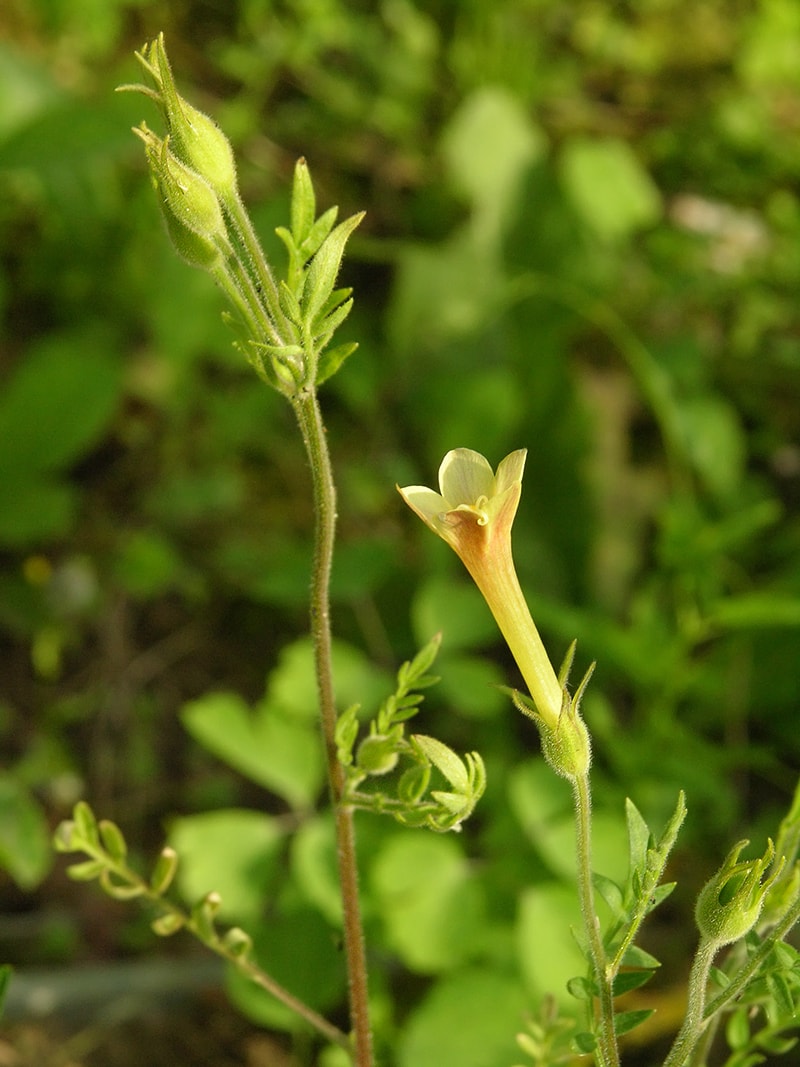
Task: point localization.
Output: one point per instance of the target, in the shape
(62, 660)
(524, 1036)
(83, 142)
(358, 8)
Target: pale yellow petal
(465, 476)
(430, 506)
(510, 469)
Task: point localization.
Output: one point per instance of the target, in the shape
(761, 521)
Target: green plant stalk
(210, 939)
(608, 1053)
(695, 1019)
(280, 332)
(748, 970)
(309, 417)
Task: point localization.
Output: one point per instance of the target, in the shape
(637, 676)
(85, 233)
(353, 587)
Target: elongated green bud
(730, 903)
(194, 218)
(196, 139)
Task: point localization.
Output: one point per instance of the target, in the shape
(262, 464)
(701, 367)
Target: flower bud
(192, 211)
(567, 748)
(196, 139)
(730, 903)
(377, 754)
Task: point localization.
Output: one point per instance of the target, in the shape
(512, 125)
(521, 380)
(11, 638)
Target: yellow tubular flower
(473, 512)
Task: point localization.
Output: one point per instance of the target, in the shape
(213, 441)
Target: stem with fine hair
(309, 417)
(695, 1020)
(608, 1053)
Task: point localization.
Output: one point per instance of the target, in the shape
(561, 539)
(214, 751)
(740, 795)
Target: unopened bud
(730, 903)
(196, 139)
(192, 211)
(567, 748)
(377, 754)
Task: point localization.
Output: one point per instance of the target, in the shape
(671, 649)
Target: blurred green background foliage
(583, 238)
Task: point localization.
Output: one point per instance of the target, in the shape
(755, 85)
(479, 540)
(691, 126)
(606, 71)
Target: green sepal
(453, 803)
(332, 304)
(66, 837)
(203, 914)
(377, 754)
(566, 665)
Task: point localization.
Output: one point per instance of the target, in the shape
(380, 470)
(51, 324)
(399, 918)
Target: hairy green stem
(278, 328)
(309, 418)
(694, 1021)
(607, 1052)
(741, 977)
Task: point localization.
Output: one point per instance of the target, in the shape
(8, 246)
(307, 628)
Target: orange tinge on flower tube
(473, 512)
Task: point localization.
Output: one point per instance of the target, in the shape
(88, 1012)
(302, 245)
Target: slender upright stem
(740, 975)
(277, 326)
(607, 1052)
(694, 1021)
(309, 418)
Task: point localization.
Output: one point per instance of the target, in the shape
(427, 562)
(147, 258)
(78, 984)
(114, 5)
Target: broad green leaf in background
(471, 686)
(25, 851)
(301, 951)
(490, 403)
(488, 145)
(292, 685)
(313, 856)
(608, 186)
(542, 805)
(468, 1019)
(26, 89)
(454, 608)
(34, 511)
(232, 852)
(58, 402)
(548, 954)
(148, 563)
(713, 440)
(754, 611)
(453, 287)
(429, 899)
(53, 408)
(770, 52)
(275, 749)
